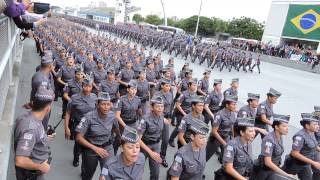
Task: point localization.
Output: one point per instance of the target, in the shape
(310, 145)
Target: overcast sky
(225, 9)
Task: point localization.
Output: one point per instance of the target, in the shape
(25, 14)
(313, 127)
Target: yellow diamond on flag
(307, 21)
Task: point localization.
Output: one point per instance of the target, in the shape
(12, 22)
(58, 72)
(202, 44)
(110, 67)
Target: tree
(137, 18)
(153, 19)
(205, 25)
(246, 27)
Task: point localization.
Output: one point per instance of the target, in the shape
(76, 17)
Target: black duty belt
(151, 142)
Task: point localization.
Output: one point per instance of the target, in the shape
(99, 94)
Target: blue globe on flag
(307, 21)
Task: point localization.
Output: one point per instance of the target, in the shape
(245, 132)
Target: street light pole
(164, 13)
(195, 34)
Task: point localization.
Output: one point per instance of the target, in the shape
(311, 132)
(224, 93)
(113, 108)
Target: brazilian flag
(303, 21)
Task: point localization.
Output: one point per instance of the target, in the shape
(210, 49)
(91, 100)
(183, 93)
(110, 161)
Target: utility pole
(164, 13)
(195, 34)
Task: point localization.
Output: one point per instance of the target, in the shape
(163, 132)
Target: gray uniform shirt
(224, 120)
(264, 108)
(143, 89)
(305, 143)
(115, 168)
(99, 75)
(214, 99)
(188, 164)
(128, 108)
(66, 73)
(96, 130)
(41, 79)
(81, 105)
(271, 147)
(203, 85)
(247, 111)
(151, 126)
(110, 87)
(30, 139)
(185, 99)
(167, 102)
(126, 75)
(185, 125)
(240, 155)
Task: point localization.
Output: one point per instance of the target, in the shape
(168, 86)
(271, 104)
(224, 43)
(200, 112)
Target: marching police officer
(189, 162)
(128, 108)
(124, 77)
(99, 74)
(94, 133)
(237, 156)
(89, 65)
(30, 138)
(203, 84)
(80, 104)
(197, 104)
(222, 127)
(43, 77)
(213, 101)
(265, 110)
(268, 164)
(168, 104)
(129, 164)
(301, 160)
(183, 106)
(250, 110)
(233, 90)
(143, 89)
(111, 86)
(150, 130)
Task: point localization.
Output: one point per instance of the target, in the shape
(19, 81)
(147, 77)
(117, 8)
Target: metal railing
(9, 42)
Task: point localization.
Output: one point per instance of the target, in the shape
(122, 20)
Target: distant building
(124, 11)
(103, 14)
(293, 22)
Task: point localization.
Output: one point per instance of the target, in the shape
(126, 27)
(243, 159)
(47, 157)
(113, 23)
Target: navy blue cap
(104, 96)
(44, 94)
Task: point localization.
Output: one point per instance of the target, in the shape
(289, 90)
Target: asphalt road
(300, 93)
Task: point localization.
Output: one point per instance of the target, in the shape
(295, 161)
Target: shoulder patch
(27, 136)
(229, 148)
(105, 171)
(268, 144)
(298, 138)
(178, 159)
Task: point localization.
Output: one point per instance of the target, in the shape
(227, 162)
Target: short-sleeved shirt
(99, 75)
(240, 155)
(183, 84)
(224, 120)
(81, 105)
(203, 85)
(73, 87)
(97, 130)
(150, 127)
(151, 75)
(167, 102)
(110, 87)
(66, 73)
(213, 100)
(266, 109)
(115, 168)
(41, 79)
(230, 92)
(30, 139)
(188, 164)
(185, 99)
(128, 108)
(247, 112)
(305, 143)
(272, 147)
(185, 125)
(143, 89)
(89, 67)
(126, 75)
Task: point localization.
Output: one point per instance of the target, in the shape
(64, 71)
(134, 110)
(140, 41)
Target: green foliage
(137, 18)
(245, 27)
(153, 19)
(238, 27)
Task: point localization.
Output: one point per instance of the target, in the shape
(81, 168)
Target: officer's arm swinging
(265, 119)
(154, 155)
(26, 163)
(268, 162)
(178, 105)
(100, 151)
(297, 155)
(232, 172)
(215, 133)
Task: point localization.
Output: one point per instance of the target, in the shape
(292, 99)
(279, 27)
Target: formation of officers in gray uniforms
(216, 55)
(114, 95)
